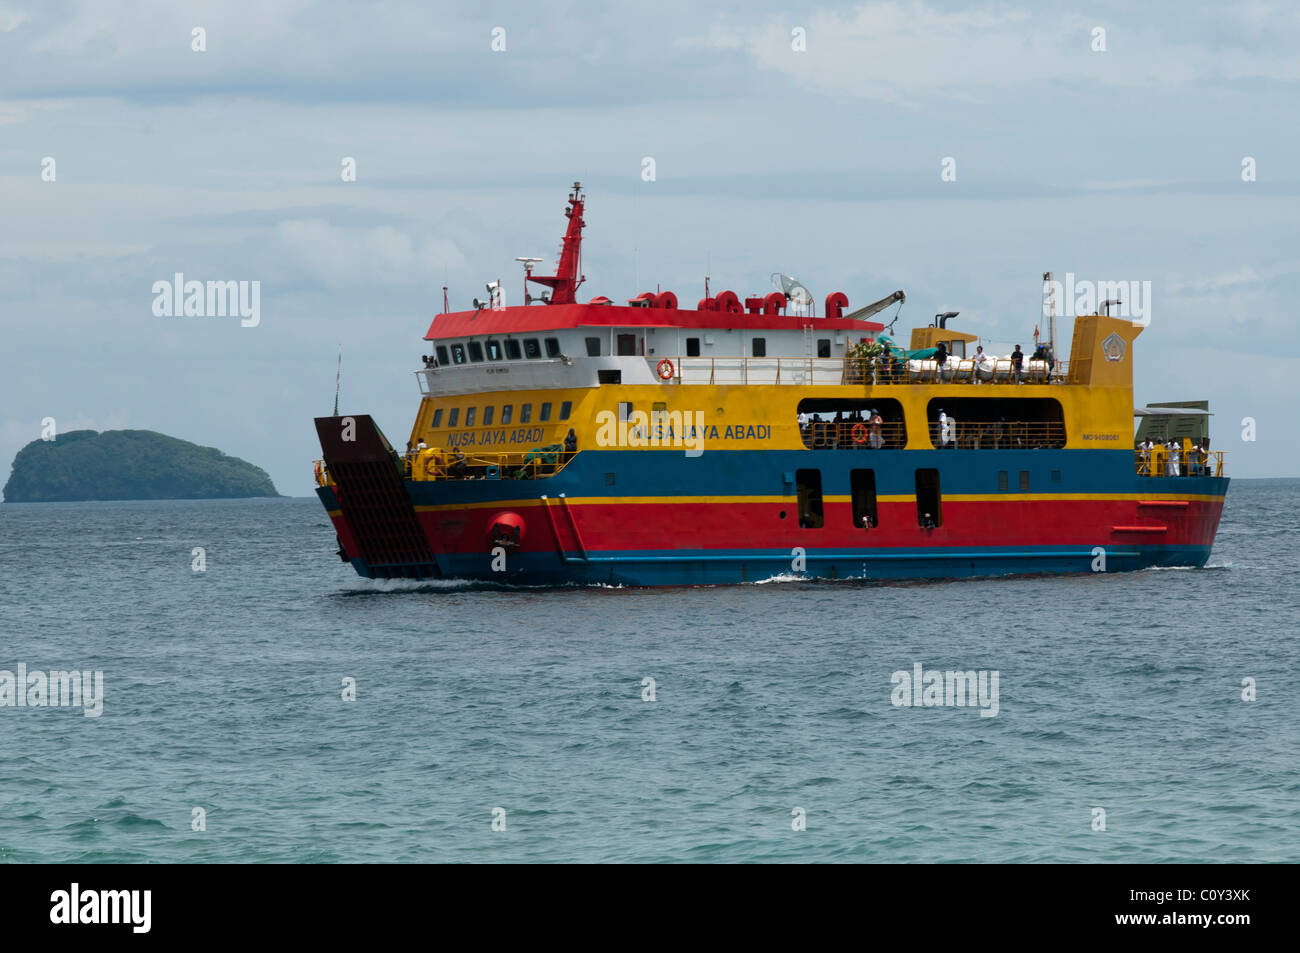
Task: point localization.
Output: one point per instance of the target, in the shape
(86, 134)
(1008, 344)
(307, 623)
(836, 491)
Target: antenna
(338, 372)
(528, 273)
(798, 296)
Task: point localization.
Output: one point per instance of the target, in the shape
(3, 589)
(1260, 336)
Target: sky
(813, 139)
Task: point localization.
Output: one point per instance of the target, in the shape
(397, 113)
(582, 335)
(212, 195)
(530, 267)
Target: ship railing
(804, 371)
(853, 435)
(997, 434)
(1156, 462)
(536, 464)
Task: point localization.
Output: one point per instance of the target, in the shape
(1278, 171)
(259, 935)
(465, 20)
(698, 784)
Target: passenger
(1144, 454)
(980, 362)
(1171, 459)
(421, 445)
(837, 431)
(1017, 362)
(408, 458)
(941, 355)
(570, 445)
(876, 438)
(1206, 469)
(457, 466)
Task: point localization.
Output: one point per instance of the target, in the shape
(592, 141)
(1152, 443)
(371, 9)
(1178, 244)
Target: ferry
(647, 443)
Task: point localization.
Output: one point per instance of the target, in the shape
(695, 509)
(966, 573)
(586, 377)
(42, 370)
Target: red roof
(555, 317)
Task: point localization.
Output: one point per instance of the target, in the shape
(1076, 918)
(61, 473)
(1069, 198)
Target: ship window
(758, 346)
(458, 353)
(469, 416)
(862, 485)
(552, 347)
(1024, 479)
(999, 423)
(506, 411)
(453, 417)
(442, 355)
(809, 488)
(1056, 476)
(1003, 484)
(487, 416)
(525, 413)
(493, 350)
(929, 502)
(609, 377)
(565, 409)
(532, 350)
(544, 413)
(626, 345)
(624, 410)
(593, 347)
(823, 347)
(845, 423)
(512, 349)
(692, 347)
(437, 418)
(475, 351)
(956, 348)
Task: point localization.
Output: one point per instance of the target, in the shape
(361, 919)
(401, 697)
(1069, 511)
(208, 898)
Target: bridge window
(929, 501)
(862, 485)
(758, 347)
(823, 347)
(552, 347)
(809, 488)
(507, 410)
(469, 416)
(593, 347)
(487, 416)
(998, 423)
(532, 349)
(437, 419)
(453, 417)
(692, 347)
(525, 413)
(493, 350)
(512, 350)
(458, 353)
(441, 351)
(545, 412)
(475, 351)
(565, 409)
(847, 423)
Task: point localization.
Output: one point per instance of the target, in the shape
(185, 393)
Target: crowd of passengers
(854, 430)
(1168, 455)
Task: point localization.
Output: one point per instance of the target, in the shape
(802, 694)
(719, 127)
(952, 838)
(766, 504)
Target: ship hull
(634, 518)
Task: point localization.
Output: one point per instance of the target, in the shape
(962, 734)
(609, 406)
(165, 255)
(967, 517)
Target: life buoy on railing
(859, 433)
(665, 369)
(320, 477)
(432, 466)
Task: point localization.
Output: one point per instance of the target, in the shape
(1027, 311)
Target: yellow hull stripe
(829, 498)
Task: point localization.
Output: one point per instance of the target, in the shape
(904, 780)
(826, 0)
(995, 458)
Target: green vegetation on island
(129, 465)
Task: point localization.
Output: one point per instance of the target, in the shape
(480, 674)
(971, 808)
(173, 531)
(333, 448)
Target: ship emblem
(1113, 347)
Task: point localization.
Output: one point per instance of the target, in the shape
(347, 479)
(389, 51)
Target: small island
(129, 465)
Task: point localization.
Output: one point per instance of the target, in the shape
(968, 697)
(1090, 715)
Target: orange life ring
(320, 477)
(665, 369)
(859, 432)
(433, 466)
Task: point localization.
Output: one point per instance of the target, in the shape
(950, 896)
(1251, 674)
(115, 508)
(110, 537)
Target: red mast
(568, 275)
